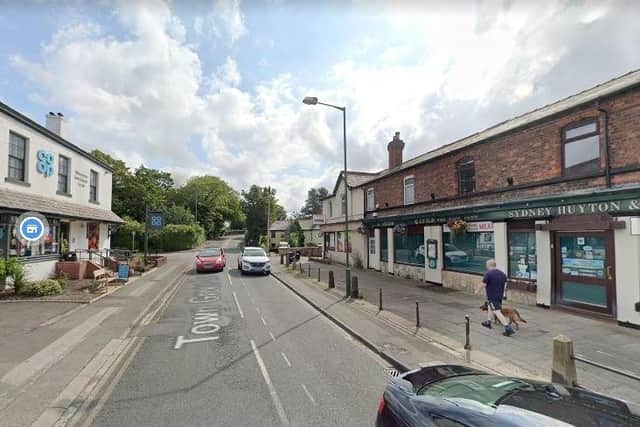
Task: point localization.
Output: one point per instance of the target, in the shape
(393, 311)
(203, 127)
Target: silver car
(254, 260)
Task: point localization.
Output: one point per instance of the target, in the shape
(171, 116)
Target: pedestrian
(494, 282)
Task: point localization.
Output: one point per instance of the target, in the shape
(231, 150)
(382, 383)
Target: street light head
(310, 100)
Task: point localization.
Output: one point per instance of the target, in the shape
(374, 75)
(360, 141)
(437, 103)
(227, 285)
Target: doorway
(585, 271)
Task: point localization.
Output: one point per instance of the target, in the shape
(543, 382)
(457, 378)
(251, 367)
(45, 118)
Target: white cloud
(227, 18)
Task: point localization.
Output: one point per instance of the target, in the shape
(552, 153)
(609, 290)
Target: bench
(101, 279)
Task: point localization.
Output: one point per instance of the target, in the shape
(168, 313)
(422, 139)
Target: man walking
(494, 282)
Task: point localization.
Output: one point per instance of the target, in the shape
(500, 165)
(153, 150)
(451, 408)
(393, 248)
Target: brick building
(553, 195)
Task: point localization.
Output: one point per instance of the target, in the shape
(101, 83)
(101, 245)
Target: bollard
(318, 274)
(380, 300)
(347, 282)
(563, 368)
(281, 259)
(300, 265)
(309, 270)
(417, 314)
(467, 343)
(332, 284)
(354, 287)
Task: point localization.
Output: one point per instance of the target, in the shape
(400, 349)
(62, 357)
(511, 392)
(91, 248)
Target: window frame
(520, 226)
(66, 191)
(24, 161)
(404, 190)
(91, 198)
(460, 270)
(395, 246)
(343, 203)
(463, 162)
(564, 141)
(330, 209)
(371, 206)
(383, 232)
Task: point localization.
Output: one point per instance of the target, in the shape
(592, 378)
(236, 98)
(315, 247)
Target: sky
(215, 87)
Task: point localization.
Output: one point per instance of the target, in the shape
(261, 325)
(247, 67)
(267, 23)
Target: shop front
(580, 252)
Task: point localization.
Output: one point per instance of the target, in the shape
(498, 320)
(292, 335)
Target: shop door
(584, 273)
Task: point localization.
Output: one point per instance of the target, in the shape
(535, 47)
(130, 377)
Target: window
(49, 244)
(581, 144)
(332, 241)
(470, 250)
(409, 190)
(371, 199)
(93, 187)
(63, 175)
(384, 245)
(408, 245)
(340, 246)
(466, 176)
(522, 250)
(273, 234)
(343, 199)
(17, 155)
(330, 209)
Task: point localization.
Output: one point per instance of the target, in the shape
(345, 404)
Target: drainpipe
(607, 166)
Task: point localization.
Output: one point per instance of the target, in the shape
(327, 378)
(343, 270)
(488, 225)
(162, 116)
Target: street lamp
(312, 100)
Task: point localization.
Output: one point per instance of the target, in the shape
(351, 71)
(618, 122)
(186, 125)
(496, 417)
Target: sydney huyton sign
(576, 209)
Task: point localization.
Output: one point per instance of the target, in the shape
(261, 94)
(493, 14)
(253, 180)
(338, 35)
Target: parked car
(210, 259)
(454, 255)
(459, 396)
(254, 260)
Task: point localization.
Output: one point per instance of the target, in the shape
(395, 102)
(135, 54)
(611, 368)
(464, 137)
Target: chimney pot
(395, 148)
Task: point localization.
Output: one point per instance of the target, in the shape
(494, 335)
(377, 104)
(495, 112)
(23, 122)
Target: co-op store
(580, 250)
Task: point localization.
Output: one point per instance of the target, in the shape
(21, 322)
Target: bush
(14, 269)
(42, 288)
(177, 237)
(63, 280)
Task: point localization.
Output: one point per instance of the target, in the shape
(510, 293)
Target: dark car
(210, 259)
(459, 396)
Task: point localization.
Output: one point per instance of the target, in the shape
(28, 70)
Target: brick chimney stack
(395, 148)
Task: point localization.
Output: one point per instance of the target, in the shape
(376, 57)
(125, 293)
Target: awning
(46, 205)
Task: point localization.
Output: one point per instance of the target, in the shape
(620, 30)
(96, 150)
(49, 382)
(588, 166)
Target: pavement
(53, 354)
(233, 350)
(528, 352)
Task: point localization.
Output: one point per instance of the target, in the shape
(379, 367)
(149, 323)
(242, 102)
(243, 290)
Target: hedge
(173, 237)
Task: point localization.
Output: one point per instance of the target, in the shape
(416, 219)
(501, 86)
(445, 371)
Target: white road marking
(258, 310)
(284, 356)
(272, 336)
(304, 387)
(182, 340)
(235, 297)
(264, 322)
(55, 351)
(445, 349)
(229, 276)
(605, 353)
(61, 316)
(272, 390)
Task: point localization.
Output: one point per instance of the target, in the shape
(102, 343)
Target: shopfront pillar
(433, 275)
(501, 250)
(544, 265)
(390, 252)
(375, 258)
(627, 271)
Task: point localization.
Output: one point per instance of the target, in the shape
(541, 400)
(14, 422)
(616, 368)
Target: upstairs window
(17, 155)
(371, 199)
(63, 175)
(409, 190)
(343, 199)
(93, 187)
(466, 176)
(581, 148)
(330, 209)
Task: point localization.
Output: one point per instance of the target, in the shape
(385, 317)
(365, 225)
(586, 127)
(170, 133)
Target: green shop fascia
(613, 202)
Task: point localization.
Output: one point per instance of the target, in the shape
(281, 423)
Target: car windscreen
(485, 389)
(254, 252)
(210, 252)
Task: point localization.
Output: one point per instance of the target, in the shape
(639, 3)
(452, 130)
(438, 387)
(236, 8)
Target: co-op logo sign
(32, 226)
(45, 163)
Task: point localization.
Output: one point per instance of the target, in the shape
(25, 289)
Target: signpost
(154, 221)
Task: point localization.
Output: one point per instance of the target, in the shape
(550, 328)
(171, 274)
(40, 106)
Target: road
(232, 350)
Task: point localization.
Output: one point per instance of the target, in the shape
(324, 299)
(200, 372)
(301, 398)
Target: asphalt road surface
(232, 350)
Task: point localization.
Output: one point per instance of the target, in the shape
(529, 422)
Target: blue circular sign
(31, 228)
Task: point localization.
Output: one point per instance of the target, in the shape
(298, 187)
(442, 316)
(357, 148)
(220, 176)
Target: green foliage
(263, 242)
(296, 235)
(179, 215)
(177, 237)
(254, 205)
(63, 280)
(313, 204)
(122, 238)
(13, 269)
(42, 288)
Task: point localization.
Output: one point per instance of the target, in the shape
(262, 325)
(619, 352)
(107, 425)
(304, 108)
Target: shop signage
(45, 163)
(81, 179)
(156, 220)
(577, 209)
(474, 227)
(32, 226)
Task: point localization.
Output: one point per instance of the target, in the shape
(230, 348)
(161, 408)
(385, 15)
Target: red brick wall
(528, 155)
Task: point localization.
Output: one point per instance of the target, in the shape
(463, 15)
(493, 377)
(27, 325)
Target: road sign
(31, 228)
(155, 220)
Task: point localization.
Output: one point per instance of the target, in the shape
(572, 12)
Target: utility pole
(268, 219)
(196, 207)
(146, 232)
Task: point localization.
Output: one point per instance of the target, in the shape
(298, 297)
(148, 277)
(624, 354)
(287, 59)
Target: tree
(214, 201)
(177, 214)
(313, 204)
(254, 205)
(295, 234)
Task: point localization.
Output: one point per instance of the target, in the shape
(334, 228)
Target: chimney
(55, 123)
(395, 148)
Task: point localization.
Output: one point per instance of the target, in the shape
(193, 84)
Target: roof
(279, 226)
(306, 224)
(46, 205)
(610, 87)
(354, 179)
(46, 132)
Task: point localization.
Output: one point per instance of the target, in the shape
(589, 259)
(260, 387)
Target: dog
(510, 313)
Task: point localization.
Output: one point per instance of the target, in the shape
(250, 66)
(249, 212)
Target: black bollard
(300, 264)
(309, 270)
(467, 344)
(281, 259)
(332, 284)
(417, 314)
(354, 287)
(380, 300)
(318, 274)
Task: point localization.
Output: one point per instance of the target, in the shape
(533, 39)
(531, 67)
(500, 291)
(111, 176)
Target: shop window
(409, 190)
(466, 176)
(49, 244)
(408, 245)
(522, 250)
(332, 241)
(384, 245)
(469, 251)
(63, 175)
(371, 199)
(340, 247)
(17, 156)
(581, 145)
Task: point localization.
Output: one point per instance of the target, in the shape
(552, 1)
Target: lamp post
(312, 100)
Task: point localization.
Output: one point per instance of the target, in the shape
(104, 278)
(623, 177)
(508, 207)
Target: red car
(210, 259)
